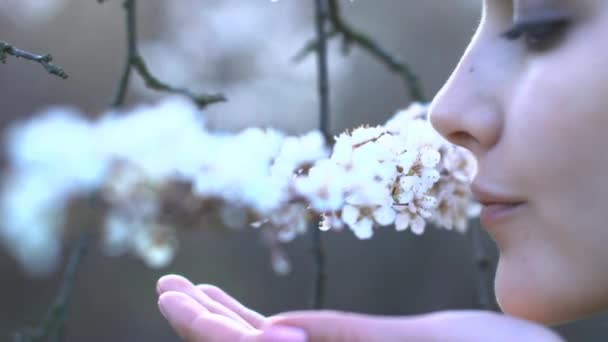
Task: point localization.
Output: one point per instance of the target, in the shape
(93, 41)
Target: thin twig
(121, 91)
(352, 36)
(53, 326)
(152, 82)
(482, 263)
(323, 73)
(44, 60)
(321, 19)
(135, 61)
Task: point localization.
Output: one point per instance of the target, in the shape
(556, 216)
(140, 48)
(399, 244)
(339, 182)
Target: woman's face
(534, 111)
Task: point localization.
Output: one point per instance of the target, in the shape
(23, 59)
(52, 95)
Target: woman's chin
(534, 299)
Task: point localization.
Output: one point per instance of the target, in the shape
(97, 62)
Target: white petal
(116, 235)
(343, 150)
(384, 215)
(405, 197)
(412, 207)
(426, 214)
(409, 182)
(324, 224)
(473, 210)
(301, 224)
(428, 202)
(418, 225)
(280, 264)
(429, 177)
(430, 158)
(363, 134)
(158, 256)
(286, 235)
(447, 223)
(350, 214)
(461, 224)
(363, 229)
(259, 223)
(402, 221)
(407, 159)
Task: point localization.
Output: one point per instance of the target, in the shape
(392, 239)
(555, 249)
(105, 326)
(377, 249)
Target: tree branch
(45, 60)
(352, 36)
(482, 263)
(53, 325)
(321, 19)
(152, 82)
(121, 91)
(134, 61)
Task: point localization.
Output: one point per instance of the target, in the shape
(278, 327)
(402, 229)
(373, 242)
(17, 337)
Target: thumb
(336, 326)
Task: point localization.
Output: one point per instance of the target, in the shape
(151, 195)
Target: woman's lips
(493, 214)
(497, 206)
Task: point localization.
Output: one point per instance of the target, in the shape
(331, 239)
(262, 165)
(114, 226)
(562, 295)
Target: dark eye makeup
(538, 36)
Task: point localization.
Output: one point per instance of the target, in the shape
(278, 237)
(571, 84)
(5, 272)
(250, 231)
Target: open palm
(205, 313)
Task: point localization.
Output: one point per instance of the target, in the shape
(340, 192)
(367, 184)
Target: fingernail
(161, 307)
(278, 333)
(172, 307)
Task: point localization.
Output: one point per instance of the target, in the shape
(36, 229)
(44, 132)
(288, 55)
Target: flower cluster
(403, 174)
(158, 169)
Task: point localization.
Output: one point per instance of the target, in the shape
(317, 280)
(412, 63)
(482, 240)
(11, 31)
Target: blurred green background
(245, 57)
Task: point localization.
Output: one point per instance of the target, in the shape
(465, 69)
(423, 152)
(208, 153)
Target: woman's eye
(538, 36)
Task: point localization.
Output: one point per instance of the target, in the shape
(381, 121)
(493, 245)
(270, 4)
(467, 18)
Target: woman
(529, 100)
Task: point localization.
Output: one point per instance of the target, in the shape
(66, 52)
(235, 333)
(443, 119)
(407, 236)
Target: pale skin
(532, 109)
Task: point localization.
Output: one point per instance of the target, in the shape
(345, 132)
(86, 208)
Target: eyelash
(538, 36)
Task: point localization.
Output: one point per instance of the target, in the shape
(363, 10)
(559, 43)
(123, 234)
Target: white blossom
(174, 170)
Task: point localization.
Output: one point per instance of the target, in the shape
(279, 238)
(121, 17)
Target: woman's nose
(466, 110)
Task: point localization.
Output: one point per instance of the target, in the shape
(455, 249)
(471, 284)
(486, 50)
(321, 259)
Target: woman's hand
(206, 313)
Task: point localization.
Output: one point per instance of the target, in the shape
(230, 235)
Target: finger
(338, 326)
(181, 284)
(194, 323)
(179, 311)
(217, 294)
